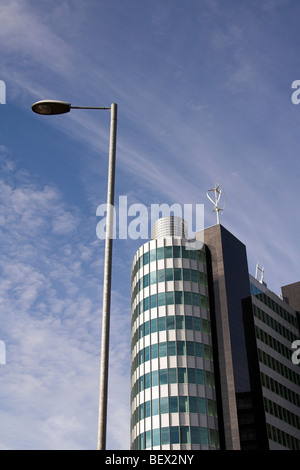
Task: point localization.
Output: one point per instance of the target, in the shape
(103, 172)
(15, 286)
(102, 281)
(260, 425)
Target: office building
(270, 332)
(204, 371)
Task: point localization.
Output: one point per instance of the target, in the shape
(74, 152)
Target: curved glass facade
(173, 399)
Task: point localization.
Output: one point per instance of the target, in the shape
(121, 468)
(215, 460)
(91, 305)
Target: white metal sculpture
(218, 192)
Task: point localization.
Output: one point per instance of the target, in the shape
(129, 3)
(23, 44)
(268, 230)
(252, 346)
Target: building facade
(270, 333)
(173, 397)
(199, 345)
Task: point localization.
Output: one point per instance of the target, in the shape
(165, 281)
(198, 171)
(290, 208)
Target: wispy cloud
(203, 95)
(51, 320)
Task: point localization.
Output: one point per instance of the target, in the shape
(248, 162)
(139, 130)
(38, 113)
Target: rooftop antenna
(218, 192)
(262, 270)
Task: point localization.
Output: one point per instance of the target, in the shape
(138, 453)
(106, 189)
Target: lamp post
(50, 107)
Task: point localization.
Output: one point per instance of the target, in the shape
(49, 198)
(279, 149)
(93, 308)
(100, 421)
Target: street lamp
(50, 107)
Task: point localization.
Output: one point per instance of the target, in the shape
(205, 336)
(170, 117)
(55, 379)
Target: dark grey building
(211, 348)
(270, 332)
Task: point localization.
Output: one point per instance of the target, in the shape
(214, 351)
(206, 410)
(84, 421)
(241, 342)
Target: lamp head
(48, 107)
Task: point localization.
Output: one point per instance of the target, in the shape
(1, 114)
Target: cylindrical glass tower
(173, 399)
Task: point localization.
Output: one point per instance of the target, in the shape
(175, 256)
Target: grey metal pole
(107, 283)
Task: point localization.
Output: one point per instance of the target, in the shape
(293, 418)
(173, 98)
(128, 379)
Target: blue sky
(203, 89)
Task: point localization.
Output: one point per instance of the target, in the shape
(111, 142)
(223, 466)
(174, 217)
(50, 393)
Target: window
(171, 348)
(190, 349)
(189, 322)
(213, 438)
(141, 331)
(203, 279)
(142, 410)
(182, 375)
(210, 407)
(156, 437)
(153, 324)
(199, 349)
(206, 328)
(187, 298)
(200, 377)
(164, 405)
(177, 274)
(196, 299)
(160, 275)
(195, 439)
(203, 436)
(181, 351)
(206, 351)
(184, 435)
(148, 439)
(153, 301)
(154, 351)
(141, 384)
(174, 435)
(147, 353)
(180, 322)
(147, 409)
(169, 274)
(163, 377)
(165, 436)
(172, 375)
(153, 277)
(183, 404)
(186, 274)
(193, 405)
(160, 253)
(146, 258)
(162, 348)
(201, 405)
(176, 251)
(168, 251)
(155, 407)
(147, 380)
(141, 356)
(169, 298)
(194, 275)
(208, 379)
(197, 324)
(170, 321)
(173, 404)
(154, 377)
(161, 299)
(178, 297)
(161, 323)
(147, 327)
(191, 376)
(204, 302)
(152, 255)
